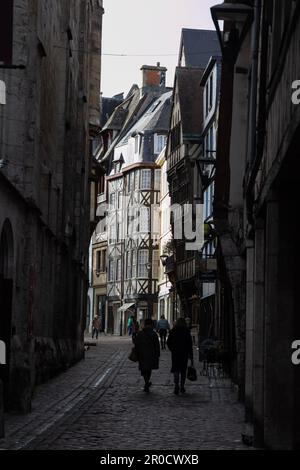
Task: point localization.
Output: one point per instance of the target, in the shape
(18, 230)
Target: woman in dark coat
(181, 346)
(148, 352)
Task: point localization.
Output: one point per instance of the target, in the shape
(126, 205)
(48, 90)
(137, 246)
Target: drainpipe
(253, 109)
(254, 73)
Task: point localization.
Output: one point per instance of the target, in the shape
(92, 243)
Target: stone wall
(44, 187)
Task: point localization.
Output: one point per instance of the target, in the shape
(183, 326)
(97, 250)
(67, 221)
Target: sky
(147, 32)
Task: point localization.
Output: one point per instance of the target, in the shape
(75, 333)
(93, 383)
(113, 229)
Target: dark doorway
(6, 297)
(110, 320)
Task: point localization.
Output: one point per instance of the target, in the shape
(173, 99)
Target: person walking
(130, 325)
(96, 325)
(162, 328)
(148, 352)
(135, 329)
(181, 346)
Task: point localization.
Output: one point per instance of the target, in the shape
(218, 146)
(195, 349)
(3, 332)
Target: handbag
(133, 355)
(192, 374)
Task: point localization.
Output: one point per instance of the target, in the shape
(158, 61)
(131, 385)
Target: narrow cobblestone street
(99, 404)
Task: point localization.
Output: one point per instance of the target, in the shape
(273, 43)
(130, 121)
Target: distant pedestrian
(148, 352)
(162, 328)
(96, 325)
(135, 329)
(130, 325)
(181, 346)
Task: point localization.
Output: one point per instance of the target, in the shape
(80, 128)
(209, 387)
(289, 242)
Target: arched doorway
(6, 293)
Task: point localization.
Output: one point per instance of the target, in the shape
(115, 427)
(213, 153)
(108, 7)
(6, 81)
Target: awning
(125, 307)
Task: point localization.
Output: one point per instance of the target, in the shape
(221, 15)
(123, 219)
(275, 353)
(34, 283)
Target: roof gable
(190, 96)
(197, 46)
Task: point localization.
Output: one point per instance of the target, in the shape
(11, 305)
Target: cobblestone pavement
(99, 404)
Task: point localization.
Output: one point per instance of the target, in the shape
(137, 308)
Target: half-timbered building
(183, 154)
(135, 136)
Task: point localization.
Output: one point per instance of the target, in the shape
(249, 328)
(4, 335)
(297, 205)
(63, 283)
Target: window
(100, 185)
(134, 263)
(175, 136)
(120, 231)
(137, 179)
(136, 143)
(131, 182)
(133, 220)
(159, 142)
(98, 261)
(155, 264)
(142, 263)
(208, 201)
(209, 89)
(210, 103)
(119, 269)
(111, 271)
(146, 179)
(144, 222)
(157, 179)
(128, 265)
(103, 261)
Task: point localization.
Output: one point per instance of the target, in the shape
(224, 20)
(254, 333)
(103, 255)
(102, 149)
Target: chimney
(154, 78)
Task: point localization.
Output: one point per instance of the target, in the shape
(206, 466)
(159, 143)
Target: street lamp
(148, 267)
(237, 18)
(164, 259)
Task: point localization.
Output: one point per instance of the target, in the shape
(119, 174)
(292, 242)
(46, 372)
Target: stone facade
(45, 132)
(257, 180)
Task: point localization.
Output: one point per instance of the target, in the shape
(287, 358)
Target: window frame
(148, 186)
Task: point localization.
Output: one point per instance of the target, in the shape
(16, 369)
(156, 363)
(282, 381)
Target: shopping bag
(133, 355)
(191, 373)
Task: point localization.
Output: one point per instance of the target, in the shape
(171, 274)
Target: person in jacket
(181, 346)
(130, 325)
(135, 329)
(96, 325)
(162, 328)
(148, 352)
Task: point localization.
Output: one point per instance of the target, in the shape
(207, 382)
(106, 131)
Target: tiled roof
(108, 105)
(198, 46)
(190, 100)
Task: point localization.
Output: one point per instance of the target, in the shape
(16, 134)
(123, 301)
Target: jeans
(163, 336)
(180, 375)
(95, 331)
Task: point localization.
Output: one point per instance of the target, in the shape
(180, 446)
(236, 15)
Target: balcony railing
(175, 156)
(186, 269)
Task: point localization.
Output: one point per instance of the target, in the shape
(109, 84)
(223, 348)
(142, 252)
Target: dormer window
(118, 164)
(136, 143)
(209, 92)
(159, 142)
